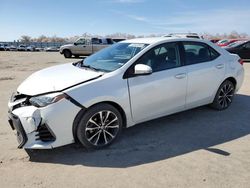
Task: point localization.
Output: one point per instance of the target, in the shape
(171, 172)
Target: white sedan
(130, 82)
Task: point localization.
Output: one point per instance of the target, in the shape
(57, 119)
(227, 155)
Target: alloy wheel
(102, 128)
(226, 95)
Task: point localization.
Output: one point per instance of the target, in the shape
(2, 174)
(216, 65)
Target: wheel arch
(83, 110)
(66, 49)
(231, 79)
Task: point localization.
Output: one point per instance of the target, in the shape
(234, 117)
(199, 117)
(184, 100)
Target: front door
(162, 92)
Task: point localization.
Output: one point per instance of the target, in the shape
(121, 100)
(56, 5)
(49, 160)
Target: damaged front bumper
(45, 127)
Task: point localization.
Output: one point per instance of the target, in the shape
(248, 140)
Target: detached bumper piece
(16, 124)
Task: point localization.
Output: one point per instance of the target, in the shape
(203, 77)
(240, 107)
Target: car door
(206, 71)
(162, 92)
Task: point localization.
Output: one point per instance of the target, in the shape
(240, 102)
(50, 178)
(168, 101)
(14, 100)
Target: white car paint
(141, 98)
(55, 78)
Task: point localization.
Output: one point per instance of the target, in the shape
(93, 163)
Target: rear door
(162, 92)
(206, 69)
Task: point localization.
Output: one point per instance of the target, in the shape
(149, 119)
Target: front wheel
(224, 96)
(67, 54)
(99, 126)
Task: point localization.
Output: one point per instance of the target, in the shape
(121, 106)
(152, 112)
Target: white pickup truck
(85, 46)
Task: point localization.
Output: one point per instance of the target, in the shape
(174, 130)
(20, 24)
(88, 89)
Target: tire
(224, 96)
(100, 126)
(67, 54)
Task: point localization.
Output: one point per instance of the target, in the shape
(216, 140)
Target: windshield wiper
(92, 68)
(89, 67)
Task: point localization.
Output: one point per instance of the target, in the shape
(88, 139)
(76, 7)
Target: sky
(67, 18)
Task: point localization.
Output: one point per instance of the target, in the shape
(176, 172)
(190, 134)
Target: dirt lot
(196, 148)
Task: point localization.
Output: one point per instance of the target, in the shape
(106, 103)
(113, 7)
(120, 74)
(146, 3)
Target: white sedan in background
(133, 81)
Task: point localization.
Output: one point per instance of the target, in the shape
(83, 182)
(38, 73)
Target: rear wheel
(67, 54)
(99, 126)
(224, 96)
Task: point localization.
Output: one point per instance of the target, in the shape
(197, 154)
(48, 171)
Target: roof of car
(157, 39)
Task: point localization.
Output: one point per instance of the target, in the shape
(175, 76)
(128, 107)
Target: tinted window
(247, 45)
(213, 54)
(162, 57)
(198, 53)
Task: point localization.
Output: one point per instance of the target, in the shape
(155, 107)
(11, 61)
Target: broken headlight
(45, 100)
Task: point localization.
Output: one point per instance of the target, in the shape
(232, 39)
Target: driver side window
(80, 42)
(162, 57)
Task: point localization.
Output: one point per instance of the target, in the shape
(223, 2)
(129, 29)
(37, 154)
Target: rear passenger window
(198, 53)
(213, 54)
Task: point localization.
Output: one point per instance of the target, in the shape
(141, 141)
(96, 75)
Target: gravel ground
(196, 148)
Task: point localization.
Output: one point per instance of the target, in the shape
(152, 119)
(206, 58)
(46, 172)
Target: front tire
(224, 96)
(67, 54)
(99, 126)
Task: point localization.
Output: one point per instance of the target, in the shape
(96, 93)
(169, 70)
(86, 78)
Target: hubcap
(226, 95)
(102, 128)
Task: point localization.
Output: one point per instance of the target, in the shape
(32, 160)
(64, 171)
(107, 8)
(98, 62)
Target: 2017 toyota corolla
(133, 81)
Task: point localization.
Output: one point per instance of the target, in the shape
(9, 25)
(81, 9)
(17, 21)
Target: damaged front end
(38, 127)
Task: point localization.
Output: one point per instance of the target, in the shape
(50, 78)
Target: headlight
(45, 100)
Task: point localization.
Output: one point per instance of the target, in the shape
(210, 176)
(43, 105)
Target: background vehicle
(184, 35)
(214, 40)
(52, 49)
(2, 48)
(22, 48)
(13, 48)
(85, 46)
(31, 48)
(240, 48)
(225, 42)
(128, 83)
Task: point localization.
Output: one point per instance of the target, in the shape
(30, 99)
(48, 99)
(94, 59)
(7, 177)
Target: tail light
(241, 61)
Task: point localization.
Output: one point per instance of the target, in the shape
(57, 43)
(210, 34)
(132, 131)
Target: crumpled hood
(55, 78)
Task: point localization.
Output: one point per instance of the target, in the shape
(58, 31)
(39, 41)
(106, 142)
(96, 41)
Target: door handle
(180, 76)
(219, 66)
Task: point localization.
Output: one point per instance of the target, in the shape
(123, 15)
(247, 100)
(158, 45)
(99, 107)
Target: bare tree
(25, 38)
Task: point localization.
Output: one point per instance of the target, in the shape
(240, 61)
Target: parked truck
(85, 46)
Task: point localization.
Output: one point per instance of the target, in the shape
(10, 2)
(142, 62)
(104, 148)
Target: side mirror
(75, 43)
(141, 69)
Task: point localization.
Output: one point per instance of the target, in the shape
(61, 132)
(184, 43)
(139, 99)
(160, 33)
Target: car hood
(56, 78)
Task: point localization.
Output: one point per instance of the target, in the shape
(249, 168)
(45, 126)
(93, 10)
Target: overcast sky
(67, 18)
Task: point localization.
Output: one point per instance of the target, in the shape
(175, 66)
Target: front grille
(45, 134)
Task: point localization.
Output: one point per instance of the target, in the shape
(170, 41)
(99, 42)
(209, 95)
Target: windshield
(113, 57)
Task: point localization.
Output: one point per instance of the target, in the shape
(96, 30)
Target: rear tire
(67, 54)
(224, 96)
(99, 126)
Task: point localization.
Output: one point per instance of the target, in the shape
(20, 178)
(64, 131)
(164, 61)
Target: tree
(25, 38)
